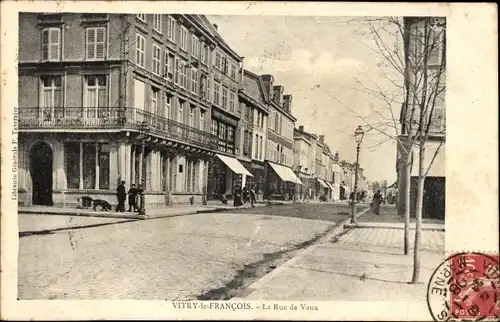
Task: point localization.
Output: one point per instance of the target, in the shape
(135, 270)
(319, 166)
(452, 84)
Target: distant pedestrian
(237, 197)
(377, 200)
(252, 196)
(132, 198)
(121, 195)
(245, 194)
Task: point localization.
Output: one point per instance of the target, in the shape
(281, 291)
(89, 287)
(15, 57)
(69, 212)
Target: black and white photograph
(236, 162)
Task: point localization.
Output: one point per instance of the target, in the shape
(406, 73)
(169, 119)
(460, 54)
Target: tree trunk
(419, 207)
(407, 180)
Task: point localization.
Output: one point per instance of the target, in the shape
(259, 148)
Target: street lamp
(358, 136)
(144, 130)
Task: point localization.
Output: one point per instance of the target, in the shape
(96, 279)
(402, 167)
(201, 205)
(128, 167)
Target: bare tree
(412, 49)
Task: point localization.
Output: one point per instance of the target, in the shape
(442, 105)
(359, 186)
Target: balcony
(85, 118)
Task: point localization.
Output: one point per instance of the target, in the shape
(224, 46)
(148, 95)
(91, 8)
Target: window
(260, 148)
(233, 71)
(217, 60)
(171, 28)
(96, 93)
(202, 120)
(140, 46)
(214, 127)
(225, 65)
(72, 160)
(194, 80)
(51, 44)
(167, 105)
(436, 46)
(216, 93)
(167, 66)
(141, 16)
(180, 112)
(204, 53)
(51, 91)
(184, 35)
(224, 97)
(182, 74)
(177, 71)
(94, 158)
(96, 43)
(191, 117)
(154, 101)
(256, 146)
(231, 101)
(157, 23)
(156, 60)
(195, 47)
(262, 121)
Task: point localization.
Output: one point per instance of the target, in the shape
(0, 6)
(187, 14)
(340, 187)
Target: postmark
(465, 287)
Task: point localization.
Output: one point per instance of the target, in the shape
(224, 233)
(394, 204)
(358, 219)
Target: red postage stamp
(466, 286)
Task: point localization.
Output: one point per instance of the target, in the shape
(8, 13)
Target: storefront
(281, 181)
(225, 173)
(321, 188)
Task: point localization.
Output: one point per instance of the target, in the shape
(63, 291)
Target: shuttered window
(96, 43)
(51, 44)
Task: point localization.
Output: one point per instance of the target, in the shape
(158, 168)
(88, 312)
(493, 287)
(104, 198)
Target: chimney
(301, 128)
(268, 84)
(287, 103)
(336, 157)
(321, 138)
(216, 26)
(278, 94)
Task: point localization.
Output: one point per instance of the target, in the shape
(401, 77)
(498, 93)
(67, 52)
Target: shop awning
(323, 183)
(329, 185)
(234, 165)
(285, 173)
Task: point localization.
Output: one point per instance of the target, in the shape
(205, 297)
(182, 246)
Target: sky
(332, 68)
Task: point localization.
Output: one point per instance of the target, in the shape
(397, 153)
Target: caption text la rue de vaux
(188, 305)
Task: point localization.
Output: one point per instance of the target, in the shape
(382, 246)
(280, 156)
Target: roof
(215, 33)
(254, 82)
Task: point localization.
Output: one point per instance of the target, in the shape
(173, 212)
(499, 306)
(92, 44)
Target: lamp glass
(358, 134)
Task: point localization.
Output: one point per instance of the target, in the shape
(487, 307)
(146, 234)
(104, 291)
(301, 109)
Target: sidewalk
(364, 264)
(151, 213)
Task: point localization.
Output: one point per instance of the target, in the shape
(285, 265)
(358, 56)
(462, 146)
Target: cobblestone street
(185, 257)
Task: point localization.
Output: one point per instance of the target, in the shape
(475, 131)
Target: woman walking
(377, 200)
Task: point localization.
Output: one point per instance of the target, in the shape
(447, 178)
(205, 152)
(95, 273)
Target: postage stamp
(466, 286)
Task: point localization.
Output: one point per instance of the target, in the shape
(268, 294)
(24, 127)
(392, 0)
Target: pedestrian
(237, 197)
(245, 194)
(121, 194)
(132, 198)
(252, 196)
(377, 200)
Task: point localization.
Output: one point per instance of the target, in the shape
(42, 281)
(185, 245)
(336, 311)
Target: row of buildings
(159, 100)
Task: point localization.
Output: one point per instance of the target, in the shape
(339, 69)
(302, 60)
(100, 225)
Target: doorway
(41, 173)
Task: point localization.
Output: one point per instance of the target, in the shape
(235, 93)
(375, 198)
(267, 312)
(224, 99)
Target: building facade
(434, 184)
(281, 179)
(304, 144)
(111, 97)
(227, 122)
(254, 104)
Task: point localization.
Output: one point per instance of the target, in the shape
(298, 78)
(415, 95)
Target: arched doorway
(41, 173)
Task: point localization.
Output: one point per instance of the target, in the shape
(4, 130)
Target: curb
(277, 271)
(367, 225)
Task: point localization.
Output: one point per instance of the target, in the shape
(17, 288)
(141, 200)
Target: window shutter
(91, 33)
(45, 44)
(54, 44)
(100, 50)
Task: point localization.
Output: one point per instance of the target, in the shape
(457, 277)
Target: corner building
(111, 97)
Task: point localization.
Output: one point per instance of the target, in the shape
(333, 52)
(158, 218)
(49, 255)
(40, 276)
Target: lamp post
(358, 135)
(144, 132)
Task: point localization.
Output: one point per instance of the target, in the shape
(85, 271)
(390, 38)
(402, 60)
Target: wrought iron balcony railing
(112, 118)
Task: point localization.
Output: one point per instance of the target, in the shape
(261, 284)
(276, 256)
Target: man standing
(132, 198)
(377, 200)
(121, 194)
(252, 196)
